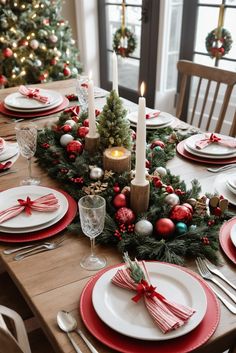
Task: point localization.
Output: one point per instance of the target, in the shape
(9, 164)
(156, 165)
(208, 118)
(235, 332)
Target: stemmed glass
(92, 210)
(82, 91)
(26, 136)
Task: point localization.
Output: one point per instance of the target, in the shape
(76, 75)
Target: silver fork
(221, 169)
(206, 274)
(228, 305)
(11, 251)
(214, 270)
(38, 249)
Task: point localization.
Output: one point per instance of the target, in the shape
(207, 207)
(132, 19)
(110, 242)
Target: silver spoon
(65, 326)
(70, 324)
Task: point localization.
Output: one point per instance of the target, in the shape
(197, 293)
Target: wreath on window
(124, 42)
(218, 45)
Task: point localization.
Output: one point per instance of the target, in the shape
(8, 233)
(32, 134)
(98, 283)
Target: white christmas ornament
(65, 139)
(70, 122)
(34, 44)
(143, 227)
(53, 38)
(161, 171)
(172, 199)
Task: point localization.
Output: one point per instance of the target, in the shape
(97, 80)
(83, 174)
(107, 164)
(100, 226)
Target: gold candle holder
(117, 159)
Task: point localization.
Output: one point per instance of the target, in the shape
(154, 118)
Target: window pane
(113, 22)
(230, 2)
(172, 71)
(128, 71)
(229, 24)
(204, 60)
(114, 1)
(227, 65)
(175, 27)
(214, 2)
(134, 2)
(207, 21)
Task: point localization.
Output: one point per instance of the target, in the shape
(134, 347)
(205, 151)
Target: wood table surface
(52, 281)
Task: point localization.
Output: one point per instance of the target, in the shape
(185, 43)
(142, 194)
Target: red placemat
(225, 241)
(181, 150)
(47, 232)
(125, 344)
(24, 115)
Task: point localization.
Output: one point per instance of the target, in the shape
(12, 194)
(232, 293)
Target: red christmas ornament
(125, 216)
(217, 211)
(119, 201)
(157, 182)
(148, 164)
(180, 213)
(53, 61)
(7, 52)
(97, 112)
(45, 145)
(3, 80)
(157, 143)
(23, 42)
(42, 77)
(164, 227)
(86, 122)
(66, 128)
(75, 147)
(116, 188)
(169, 189)
(75, 118)
(190, 207)
(67, 71)
(82, 131)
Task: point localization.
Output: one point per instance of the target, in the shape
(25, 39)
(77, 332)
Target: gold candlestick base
(92, 144)
(139, 197)
(117, 159)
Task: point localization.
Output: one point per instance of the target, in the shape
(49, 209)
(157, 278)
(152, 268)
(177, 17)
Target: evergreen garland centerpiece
(179, 223)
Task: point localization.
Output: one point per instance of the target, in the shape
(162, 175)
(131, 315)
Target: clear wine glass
(82, 91)
(26, 136)
(92, 211)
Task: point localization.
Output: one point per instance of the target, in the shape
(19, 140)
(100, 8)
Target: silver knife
(8, 172)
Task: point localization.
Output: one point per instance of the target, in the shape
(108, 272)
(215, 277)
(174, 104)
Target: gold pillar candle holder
(117, 159)
(139, 197)
(92, 143)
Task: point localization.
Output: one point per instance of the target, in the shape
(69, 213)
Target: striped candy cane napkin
(33, 93)
(166, 314)
(46, 203)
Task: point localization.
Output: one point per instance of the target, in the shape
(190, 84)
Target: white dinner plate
(115, 307)
(213, 149)
(154, 127)
(162, 119)
(210, 156)
(43, 108)
(220, 186)
(233, 234)
(17, 100)
(11, 149)
(231, 181)
(8, 198)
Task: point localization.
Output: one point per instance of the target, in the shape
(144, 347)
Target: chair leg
(232, 349)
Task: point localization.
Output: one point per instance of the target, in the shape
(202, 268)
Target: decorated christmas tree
(113, 127)
(36, 43)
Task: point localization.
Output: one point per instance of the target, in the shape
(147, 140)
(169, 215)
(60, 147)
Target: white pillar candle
(140, 162)
(114, 73)
(91, 110)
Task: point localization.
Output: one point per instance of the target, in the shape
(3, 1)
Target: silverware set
(222, 169)
(33, 249)
(207, 271)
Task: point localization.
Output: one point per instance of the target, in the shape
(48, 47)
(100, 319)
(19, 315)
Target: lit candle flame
(142, 88)
(117, 153)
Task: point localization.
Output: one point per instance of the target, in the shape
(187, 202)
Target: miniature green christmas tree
(113, 127)
(36, 43)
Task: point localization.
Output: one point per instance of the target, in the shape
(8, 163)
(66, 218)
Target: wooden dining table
(53, 280)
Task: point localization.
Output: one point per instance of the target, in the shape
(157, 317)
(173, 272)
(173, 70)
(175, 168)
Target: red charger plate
(24, 115)
(47, 232)
(225, 241)
(181, 150)
(124, 344)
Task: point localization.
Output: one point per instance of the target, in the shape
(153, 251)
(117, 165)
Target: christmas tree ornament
(54, 62)
(65, 139)
(116, 188)
(125, 216)
(143, 227)
(188, 206)
(180, 213)
(119, 201)
(157, 182)
(96, 173)
(169, 189)
(66, 128)
(164, 227)
(53, 38)
(223, 204)
(217, 211)
(67, 71)
(7, 52)
(126, 191)
(172, 199)
(3, 80)
(86, 122)
(74, 71)
(193, 227)
(34, 44)
(157, 143)
(160, 171)
(38, 63)
(181, 228)
(23, 42)
(82, 131)
(70, 122)
(219, 40)
(192, 201)
(75, 147)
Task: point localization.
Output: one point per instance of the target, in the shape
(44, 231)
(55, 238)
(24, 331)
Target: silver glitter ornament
(96, 173)
(143, 227)
(172, 199)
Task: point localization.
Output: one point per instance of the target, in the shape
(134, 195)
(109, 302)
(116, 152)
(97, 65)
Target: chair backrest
(213, 85)
(16, 341)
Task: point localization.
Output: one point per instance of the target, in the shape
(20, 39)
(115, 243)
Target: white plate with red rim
(162, 118)
(233, 234)
(213, 149)
(132, 319)
(210, 156)
(10, 150)
(44, 108)
(8, 198)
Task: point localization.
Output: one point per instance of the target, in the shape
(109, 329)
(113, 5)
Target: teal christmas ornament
(181, 228)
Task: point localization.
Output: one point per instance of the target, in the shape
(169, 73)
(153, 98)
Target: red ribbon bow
(145, 289)
(214, 138)
(75, 109)
(228, 142)
(27, 204)
(33, 93)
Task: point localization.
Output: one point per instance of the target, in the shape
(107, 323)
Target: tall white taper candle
(114, 73)
(91, 109)
(140, 162)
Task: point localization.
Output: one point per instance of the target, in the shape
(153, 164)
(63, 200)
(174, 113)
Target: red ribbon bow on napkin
(75, 109)
(33, 93)
(47, 203)
(215, 139)
(152, 115)
(166, 314)
(4, 166)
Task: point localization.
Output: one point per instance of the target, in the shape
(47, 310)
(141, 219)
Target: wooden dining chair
(211, 100)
